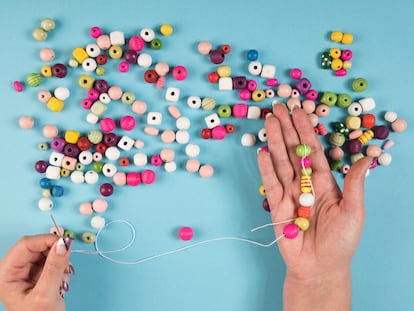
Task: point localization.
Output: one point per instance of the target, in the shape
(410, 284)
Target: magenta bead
(156, 160)
(245, 95)
(251, 85)
(107, 125)
(133, 179)
(106, 189)
(93, 94)
(18, 86)
(265, 148)
(303, 85)
(218, 132)
(179, 73)
(185, 233)
(346, 55)
(305, 162)
(240, 110)
(86, 103)
(341, 72)
(95, 32)
(136, 43)
(148, 177)
(296, 73)
(272, 82)
(123, 66)
(127, 123)
(312, 94)
(373, 165)
(290, 231)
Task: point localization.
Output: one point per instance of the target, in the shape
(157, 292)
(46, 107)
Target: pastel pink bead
(127, 123)
(50, 131)
(26, 122)
(272, 82)
(399, 125)
(148, 177)
(167, 154)
(206, 171)
(179, 73)
(204, 47)
(251, 85)
(93, 94)
(284, 90)
(43, 96)
(85, 208)
(168, 136)
(133, 179)
(314, 119)
(388, 144)
(218, 132)
(161, 68)
(115, 92)
(185, 233)
(95, 32)
(355, 134)
(47, 54)
(139, 107)
(308, 106)
(136, 43)
(123, 66)
(245, 95)
(336, 153)
(373, 151)
(18, 86)
(305, 162)
(99, 205)
(192, 165)
(119, 178)
(174, 111)
(107, 125)
(240, 110)
(290, 231)
(322, 110)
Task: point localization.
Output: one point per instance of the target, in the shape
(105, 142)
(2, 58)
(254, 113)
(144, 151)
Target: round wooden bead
(185, 233)
(85, 208)
(206, 171)
(302, 223)
(306, 199)
(88, 237)
(290, 231)
(106, 189)
(381, 132)
(399, 125)
(304, 211)
(385, 159)
(303, 150)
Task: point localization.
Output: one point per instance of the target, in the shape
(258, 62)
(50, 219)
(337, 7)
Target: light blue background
(223, 275)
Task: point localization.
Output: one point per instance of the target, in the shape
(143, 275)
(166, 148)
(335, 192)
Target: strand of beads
(307, 197)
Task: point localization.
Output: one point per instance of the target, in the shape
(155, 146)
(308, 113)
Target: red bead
(368, 121)
(83, 143)
(226, 49)
(106, 189)
(123, 161)
(101, 59)
(101, 147)
(206, 133)
(151, 76)
(229, 128)
(264, 112)
(213, 77)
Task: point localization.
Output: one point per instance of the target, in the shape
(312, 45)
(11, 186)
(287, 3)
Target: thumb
(353, 193)
(54, 269)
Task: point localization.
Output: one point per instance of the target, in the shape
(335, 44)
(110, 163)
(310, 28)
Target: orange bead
(304, 211)
(368, 120)
(225, 48)
(124, 161)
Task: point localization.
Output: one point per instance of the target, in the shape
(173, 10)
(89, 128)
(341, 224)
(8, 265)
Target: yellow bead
(335, 53)
(46, 71)
(100, 71)
(54, 104)
(166, 29)
(353, 122)
(86, 81)
(115, 52)
(46, 193)
(262, 190)
(337, 64)
(72, 137)
(224, 71)
(366, 136)
(336, 36)
(302, 223)
(64, 172)
(305, 184)
(347, 38)
(347, 64)
(80, 54)
(258, 95)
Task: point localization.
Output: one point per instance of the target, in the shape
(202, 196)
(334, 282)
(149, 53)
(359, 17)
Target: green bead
(359, 84)
(95, 136)
(306, 171)
(128, 98)
(39, 34)
(224, 111)
(326, 60)
(340, 127)
(303, 150)
(47, 24)
(43, 146)
(344, 100)
(329, 99)
(98, 108)
(73, 63)
(69, 234)
(336, 165)
(80, 166)
(97, 166)
(88, 237)
(337, 139)
(156, 44)
(100, 71)
(34, 79)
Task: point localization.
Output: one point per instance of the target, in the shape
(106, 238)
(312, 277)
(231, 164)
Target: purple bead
(217, 56)
(239, 83)
(71, 150)
(130, 56)
(59, 70)
(41, 166)
(303, 85)
(101, 86)
(354, 146)
(65, 286)
(265, 205)
(106, 189)
(110, 139)
(381, 132)
(58, 144)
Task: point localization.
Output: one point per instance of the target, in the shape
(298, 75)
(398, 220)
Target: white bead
(126, 143)
(56, 158)
(53, 172)
(170, 166)
(45, 204)
(62, 93)
(77, 177)
(117, 38)
(147, 34)
(182, 137)
(367, 104)
(97, 222)
(212, 120)
(112, 153)
(390, 116)
(144, 60)
(255, 68)
(172, 94)
(254, 112)
(85, 157)
(355, 109)
(306, 199)
(268, 71)
(109, 169)
(104, 98)
(385, 159)
(194, 102)
(93, 50)
(154, 118)
(89, 65)
(140, 159)
(91, 177)
(92, 118)
(225, 84)
(183, 123)
(248, 140)
(262, 135)
(192, 150)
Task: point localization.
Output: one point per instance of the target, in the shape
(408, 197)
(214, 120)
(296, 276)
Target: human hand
(34, 274)
(323, 253)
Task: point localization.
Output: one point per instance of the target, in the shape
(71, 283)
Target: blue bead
(252, 55)
(57, 191)
(45, 183)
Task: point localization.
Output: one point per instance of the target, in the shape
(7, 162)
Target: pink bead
(95, 32)
(160, 82)
(136, 43)
(245, 95)
(107, 125)
(355, 134)
(341, 72)
(179, 73)
(346, 55)
(127, 123)
(204, 47)
(168, 136)
(18, 86)
(322, 110)
(85, 208)
(240, 110)
(86, 103)
(192, 165)
(284, 90)
(50, 131)
(336, 153)
(47, 54)
(251, 85)
(99, 205)
(119, 178)
(312, 94)
(218, 132)
(115, 92)
(43, 96)
(123, 66)
(148, 177)
(373, 151)
(322, 129)
(270, 93)
(296, 73)
(290, 231)
(97, 156)
(139, 107)
(104, 42)
(388, 144)
(167, 154)
(293, 103)
(399, 125)
(185, 233)
(26, 122)
(162, 68)
(156, 160)
(265, 148)
(174, 111)
(93, 94)
(133, 179)
(314, 119)
(373, 165)
(272, 82)
(305, 162)
(206, 171)
(308, 106)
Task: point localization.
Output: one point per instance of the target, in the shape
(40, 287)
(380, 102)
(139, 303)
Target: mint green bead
(73, 63)
(88, 237)
(95, 136)
(329, 99)
(43, 146)
(307, 171)
(156, 44)
(344, 100)
(98, 108)
(97, 166)
(128, 98)
(34, 79)
(337, 139)
(80, 167)
(224, 111)
(359, 84)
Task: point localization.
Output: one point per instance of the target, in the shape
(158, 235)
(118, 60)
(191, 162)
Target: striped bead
(306, 184)
(366, 136)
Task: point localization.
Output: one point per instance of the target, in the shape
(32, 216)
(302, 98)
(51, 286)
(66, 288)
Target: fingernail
(62, 245)
(268, 115)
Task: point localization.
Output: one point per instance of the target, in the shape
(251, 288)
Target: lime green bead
(39, 34)
(224, 111)
(156, 44)
(356, 157)
(344, 100)
(80, 166)
(100, 71)
(97, 166)
(34, 79)
(88, 237)
(307, 171)
(95, 136)
(329, 99)
(303, 150)
(69, 234)
(359, 84)
(43, 146)
(128, 98)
